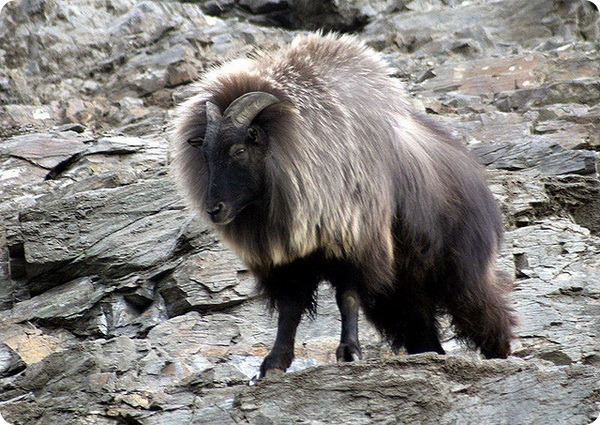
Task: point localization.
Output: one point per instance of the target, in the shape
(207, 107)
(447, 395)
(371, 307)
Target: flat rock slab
(96, 224)
(43, 150)
(426, 389)
(537, 156)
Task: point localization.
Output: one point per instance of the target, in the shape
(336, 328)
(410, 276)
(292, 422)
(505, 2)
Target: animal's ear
(256, 135)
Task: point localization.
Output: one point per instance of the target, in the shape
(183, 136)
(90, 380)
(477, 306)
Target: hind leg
(421, 331)
(420, 327)
(481, 314)
(406, 318)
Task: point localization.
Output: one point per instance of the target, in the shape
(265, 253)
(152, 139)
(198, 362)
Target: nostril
(216, 209)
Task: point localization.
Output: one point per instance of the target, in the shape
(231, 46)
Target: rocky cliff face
(119, 307)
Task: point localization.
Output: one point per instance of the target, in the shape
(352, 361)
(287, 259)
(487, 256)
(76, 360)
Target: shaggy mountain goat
(311, 165)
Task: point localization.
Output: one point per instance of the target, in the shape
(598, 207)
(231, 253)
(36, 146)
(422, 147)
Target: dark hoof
(348, 352)
(275, 364)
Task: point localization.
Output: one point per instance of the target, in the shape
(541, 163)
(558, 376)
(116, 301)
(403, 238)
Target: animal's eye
(251, 135)
(196, 141)
(238, 151)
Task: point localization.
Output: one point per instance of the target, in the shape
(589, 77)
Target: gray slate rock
(539, 155)
(426, 388)
(88, 226)
(208, 281)
(10, 362)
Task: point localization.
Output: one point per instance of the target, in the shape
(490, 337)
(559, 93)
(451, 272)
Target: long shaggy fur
(356, 175)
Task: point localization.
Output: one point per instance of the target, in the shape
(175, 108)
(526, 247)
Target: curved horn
(246, 107)
(213, 113)
(213, 120)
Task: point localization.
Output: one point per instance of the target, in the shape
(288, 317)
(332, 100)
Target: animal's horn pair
(242, 110)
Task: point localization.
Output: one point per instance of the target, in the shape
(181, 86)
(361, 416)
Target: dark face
(234, 147)
(235, 163)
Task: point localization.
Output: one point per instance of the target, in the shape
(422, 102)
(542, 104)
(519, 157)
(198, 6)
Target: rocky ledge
(117, 306)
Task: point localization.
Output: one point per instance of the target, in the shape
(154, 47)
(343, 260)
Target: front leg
(282, 353)
(291, 290)
(347, 301)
